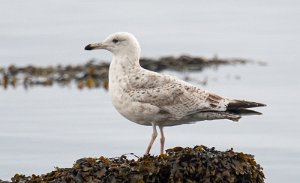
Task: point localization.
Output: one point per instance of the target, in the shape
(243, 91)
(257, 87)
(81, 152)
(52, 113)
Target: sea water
(42, 128)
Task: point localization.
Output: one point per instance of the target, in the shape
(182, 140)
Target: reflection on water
(46, 127)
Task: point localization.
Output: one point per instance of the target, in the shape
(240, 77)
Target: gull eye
(115, 40)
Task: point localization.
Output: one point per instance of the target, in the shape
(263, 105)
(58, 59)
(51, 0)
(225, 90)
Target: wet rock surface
(95, 74)
(197, 164)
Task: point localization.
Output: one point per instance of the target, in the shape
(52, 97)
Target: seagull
(158, 100)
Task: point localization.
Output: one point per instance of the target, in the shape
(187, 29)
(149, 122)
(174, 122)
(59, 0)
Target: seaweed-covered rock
(95, 75)
(198, 164)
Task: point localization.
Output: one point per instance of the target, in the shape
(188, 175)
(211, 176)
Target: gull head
(118, 43)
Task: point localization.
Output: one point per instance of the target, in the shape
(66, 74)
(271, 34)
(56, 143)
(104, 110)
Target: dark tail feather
(239, 107)
(244, 112)
(240, 104)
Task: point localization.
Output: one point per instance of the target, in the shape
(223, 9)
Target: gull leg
(154, 135)
(162, 140)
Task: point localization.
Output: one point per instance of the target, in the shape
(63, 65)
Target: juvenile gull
(153, 99)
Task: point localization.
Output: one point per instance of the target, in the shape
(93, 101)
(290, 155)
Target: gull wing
(182, 100)
(177, 97)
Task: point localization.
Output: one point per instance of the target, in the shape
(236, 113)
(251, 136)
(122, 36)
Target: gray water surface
(46, 127)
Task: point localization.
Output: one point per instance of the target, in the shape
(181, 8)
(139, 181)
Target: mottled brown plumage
(150, 98)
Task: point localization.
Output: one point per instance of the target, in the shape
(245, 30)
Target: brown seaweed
(95, 74)
(189, 165)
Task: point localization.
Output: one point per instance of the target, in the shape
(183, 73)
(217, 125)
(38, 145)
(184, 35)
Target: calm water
(46, 127)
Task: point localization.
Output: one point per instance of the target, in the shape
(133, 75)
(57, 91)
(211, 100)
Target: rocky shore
(190, 165)
(94, 74)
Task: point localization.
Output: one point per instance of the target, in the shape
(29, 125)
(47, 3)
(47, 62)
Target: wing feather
(178, 98)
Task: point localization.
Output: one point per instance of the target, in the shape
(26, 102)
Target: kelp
(94, 74)
(188, 165)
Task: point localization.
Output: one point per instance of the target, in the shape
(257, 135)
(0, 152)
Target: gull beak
(95, 46)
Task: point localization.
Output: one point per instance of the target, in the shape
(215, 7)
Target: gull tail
(237, 104)
(239, 107)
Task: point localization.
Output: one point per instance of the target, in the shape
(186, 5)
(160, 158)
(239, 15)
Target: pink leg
(162, 140)
(154, 135)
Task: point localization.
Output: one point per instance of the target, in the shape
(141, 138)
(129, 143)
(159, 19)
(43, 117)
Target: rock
(197, 164)
(1, 181)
